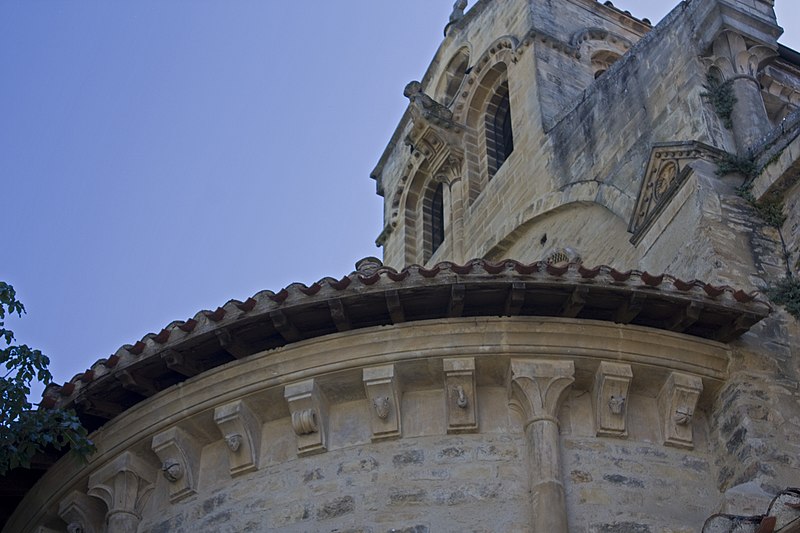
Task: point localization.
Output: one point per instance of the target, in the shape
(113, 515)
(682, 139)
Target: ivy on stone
(24, 430)
(786, 292)
(720, 95)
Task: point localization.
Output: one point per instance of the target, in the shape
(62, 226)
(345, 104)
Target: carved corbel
(434, 134)
(124, 485)
(461, 398)
(677, 402)
(179, 453)
(241, 430)
(610, 396)
(383, 394)
(309, 409)
(82, 513)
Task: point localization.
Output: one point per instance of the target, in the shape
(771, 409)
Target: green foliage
(786, 292)
(25, 431)
(743, 165)
(720, 95)
(770, 211)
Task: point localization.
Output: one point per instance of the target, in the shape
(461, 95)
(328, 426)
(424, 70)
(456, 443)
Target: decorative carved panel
(666, 172)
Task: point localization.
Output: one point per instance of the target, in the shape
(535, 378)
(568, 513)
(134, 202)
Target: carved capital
(124, 484)
(461, 398)
(610, 398)
(82, 513)
(451, 169)
(309, 410)
(734, 57)
(179, 453)
(241, 430)
(677, 402)
(384, 395)
(538, 387)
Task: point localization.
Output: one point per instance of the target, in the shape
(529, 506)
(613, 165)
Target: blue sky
(162, 157)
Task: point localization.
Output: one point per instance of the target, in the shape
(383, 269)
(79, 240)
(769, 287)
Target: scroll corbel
(309, 410)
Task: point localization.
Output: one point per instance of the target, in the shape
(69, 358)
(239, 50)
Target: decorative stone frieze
(676, 405)
(537, 388)
(309, 410)
(384, 395)
(241, 429)
(124, 484)
(461, 399)
(666, 171)
(82, 513)
(610, 397)
(179, 453)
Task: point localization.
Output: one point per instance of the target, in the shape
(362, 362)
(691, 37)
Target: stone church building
(590, 243)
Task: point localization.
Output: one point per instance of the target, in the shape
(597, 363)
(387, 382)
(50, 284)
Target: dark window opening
(437, 218)
(499, 135)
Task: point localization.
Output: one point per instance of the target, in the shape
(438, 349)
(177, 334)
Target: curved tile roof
(378, 295)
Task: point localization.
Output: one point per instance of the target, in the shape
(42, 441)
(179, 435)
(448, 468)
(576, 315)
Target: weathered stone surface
(511, 421)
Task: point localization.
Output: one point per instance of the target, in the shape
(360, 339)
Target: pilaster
(538, 388)
(124, 485)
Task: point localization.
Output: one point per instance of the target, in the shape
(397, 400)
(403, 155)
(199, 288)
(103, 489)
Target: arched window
(437, 219)
(499, 135)
(602, 60)
(452, 77)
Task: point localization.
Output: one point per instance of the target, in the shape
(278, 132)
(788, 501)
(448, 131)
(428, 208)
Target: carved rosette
(309, 411)
(382, 388)
(461, 399)
(179, 453)
(610, 398)
(667, 170)
(241, 429)
(677, 402)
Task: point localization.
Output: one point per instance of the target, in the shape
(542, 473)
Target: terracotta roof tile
(610, 283)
